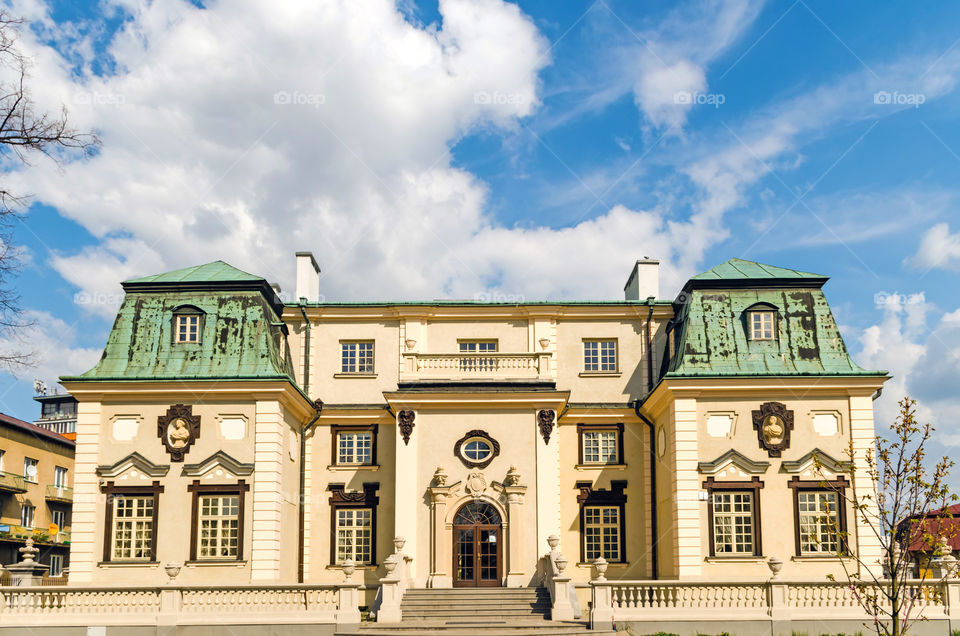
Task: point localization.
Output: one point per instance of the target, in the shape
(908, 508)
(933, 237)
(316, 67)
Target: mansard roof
(217, 271)
(740, 270)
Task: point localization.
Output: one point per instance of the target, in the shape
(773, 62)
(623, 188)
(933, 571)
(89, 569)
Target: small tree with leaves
(906, 509)
(25, 130)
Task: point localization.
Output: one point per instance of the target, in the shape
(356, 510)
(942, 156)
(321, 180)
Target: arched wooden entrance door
(477, 546)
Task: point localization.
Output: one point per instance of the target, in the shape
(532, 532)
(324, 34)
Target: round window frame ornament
(458, 449)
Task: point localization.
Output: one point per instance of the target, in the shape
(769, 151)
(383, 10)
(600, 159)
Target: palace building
(255, 441)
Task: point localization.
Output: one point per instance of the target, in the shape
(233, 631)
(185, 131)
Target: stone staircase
(502, 611)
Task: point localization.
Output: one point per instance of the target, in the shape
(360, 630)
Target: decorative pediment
(133, 461)
(816, 462)
(735, 459)
(367, 497)
(219, 459)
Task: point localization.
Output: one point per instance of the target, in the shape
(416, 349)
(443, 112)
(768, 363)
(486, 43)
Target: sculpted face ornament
(773, 423)
(545, 421)
(405, 420)
(773, 430)
(178, 429)
(178, 433)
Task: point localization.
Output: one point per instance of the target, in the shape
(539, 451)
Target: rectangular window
(601, 444)
(818, 519)
(2, 453)
(761, 325)
(600, 356)
(56, 565)
(355, 447)
(133, 528)
(354, 535)
(733, 531)
(30, 469)
(59, 517)
(60, 477)
(26, 515)
(187, 328)
(601, 538)
(219, 531)
(478, 362)
(356, 357)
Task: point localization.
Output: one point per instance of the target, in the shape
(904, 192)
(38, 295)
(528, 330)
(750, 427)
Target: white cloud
(938, 249)
(51, 344)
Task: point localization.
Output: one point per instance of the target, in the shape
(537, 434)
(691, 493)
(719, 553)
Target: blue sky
(454, 149)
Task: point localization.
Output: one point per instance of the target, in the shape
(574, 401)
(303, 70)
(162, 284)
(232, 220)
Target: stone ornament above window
(405, 420)
(476, 449)
(178, 429)
(773, 423)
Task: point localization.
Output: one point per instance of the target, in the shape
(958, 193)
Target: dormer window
(762, 321)
(187, 323)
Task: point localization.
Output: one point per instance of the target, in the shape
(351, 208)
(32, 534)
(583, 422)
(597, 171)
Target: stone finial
(513, 477)
(601, 566)
(561, 563)
(390, 564)
(544, 343)
(942, 548)
(28, 551)
(172, 569)
(348, 567)
(440, 477)
(553, 541)
(775, 566)
(398, 543)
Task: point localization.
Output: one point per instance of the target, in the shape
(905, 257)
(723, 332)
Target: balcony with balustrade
(486, 366)
(59, 494)
(12, 484)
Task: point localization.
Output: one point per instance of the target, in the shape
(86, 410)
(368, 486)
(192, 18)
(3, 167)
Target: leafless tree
(25, 130)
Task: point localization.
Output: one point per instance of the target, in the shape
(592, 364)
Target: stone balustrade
(476, 366)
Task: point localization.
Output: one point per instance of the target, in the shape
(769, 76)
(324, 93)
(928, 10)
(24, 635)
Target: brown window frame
(838, 486)
(196, 488)
(335, 431)
(368, 498)
(613, 498)
(187, 310)
(753, 486)
(605, 428)
(110, 489)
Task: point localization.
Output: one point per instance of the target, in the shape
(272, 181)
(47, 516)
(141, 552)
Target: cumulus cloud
(938, 249)
(52, 346)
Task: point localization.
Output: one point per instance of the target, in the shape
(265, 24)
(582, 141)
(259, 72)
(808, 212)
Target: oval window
(476, 449)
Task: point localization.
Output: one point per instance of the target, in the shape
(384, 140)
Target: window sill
(613, 564)
(128, 564)
(356, 376)
(215, 562)
(600, 374)
(815, 558)
(601, 466)
(736, 559)
(342, 467)
(359, 567)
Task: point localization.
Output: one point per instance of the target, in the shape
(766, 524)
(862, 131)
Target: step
(464, 627)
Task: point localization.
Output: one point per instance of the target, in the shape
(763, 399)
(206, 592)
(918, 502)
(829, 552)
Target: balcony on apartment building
(11, 483)
(59, 494)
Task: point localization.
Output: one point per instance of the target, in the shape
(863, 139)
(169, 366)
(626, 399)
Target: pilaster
(267, 492)
(440, 543)
(407, 495)
(686, 488)
(516, 558)
(86, 491)
(862, 435)
(548, 482)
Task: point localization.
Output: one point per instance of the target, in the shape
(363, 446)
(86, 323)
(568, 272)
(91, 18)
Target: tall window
(818, 516)
(600, 356)
(186, 327)
(354, 535)
(356, 357)
(478, 362)
(59, 517)
(30, 469)
(56, 565)
(60, 477)
(2, 453)
(354, 447)
(133, 528)
(761, 325)
(733, 531)
(219, 531)
(601, 537)
(26, 515)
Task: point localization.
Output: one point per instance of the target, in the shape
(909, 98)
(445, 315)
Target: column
(407, 496)
(862, 435)
(686, 489)
(86, 491)
(308, 494)
(267, 492)
(440, 545)
(515, 544)
(548, 482)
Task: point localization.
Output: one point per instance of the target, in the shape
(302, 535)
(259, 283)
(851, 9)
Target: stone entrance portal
(477, 547)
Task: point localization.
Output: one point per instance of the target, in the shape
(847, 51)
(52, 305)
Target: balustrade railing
(486, 364)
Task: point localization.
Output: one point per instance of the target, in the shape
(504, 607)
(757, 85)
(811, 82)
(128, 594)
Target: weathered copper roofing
(740, 269)
(217, 271)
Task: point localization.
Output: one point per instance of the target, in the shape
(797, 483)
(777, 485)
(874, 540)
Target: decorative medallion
(476, 483)
(476, 449)
(178, 430)
(545, 420)
(405, 421)
(773, 423)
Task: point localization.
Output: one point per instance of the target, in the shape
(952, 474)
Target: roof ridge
(214, 271)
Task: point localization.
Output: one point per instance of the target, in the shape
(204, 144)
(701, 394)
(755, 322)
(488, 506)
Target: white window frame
(465, 449)
(818, 535)
(478, 347)
(27, 462)
(28, 515)
(2, 453)
(354, 528)
(763, 324)
(354, 355)
(186, 328)
(61, 515)
(56, 565)
(59, 477)
(734, 533)
(601, 355)
(218, 526)
(601, 536)
(352, 453)
(598, 444)
(139, 526)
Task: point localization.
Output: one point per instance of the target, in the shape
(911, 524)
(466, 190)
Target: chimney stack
(644, 281)
(308, 277)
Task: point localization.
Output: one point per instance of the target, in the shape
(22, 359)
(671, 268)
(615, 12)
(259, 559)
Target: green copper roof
(712, 334)
(739, 269)
(214, 272)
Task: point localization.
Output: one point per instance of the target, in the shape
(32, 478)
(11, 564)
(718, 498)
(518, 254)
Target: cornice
(474, 400)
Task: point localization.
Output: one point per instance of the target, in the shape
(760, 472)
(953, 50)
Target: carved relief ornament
(545, 419)
(405, 420)
(773, 423)
(178, 429)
